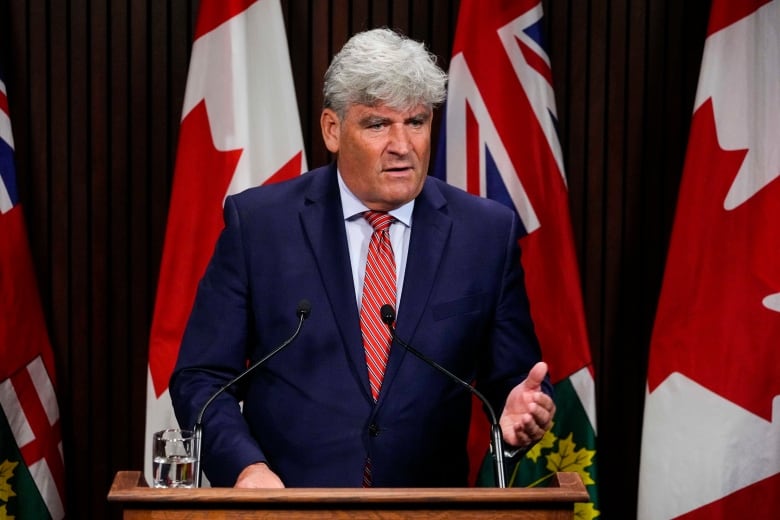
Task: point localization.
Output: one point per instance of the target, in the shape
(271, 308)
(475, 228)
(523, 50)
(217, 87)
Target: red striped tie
(378, 290)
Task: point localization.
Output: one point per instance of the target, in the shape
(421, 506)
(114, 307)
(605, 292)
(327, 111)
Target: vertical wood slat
(139, 174)
(320, 49)
(96, 91)
(98, 110)
(156, 189)
(298, 29)
(628, 382)
(614, 150)
(572, 121)
(118, 177)
(37, 164)
(116, 207)
(87, 357)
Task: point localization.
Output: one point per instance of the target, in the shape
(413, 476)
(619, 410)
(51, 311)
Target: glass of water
(173, 465)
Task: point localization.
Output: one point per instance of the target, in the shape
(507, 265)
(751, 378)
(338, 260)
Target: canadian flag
(240, 128)
(711, 439)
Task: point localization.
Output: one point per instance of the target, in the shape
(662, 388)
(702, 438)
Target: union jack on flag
(499, 140)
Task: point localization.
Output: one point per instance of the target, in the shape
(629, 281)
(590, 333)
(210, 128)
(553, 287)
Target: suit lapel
(323, 223)
(430, 230)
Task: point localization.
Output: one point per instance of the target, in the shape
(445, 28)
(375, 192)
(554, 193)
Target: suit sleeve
(213, 351)
(513, 344)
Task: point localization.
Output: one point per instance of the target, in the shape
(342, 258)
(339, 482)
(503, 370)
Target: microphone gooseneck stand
(303, 310)
(496, 438)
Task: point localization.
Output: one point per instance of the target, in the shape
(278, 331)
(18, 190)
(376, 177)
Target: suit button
(373, 430)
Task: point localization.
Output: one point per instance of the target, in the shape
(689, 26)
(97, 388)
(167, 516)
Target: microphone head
(388, 314)
(304, 309)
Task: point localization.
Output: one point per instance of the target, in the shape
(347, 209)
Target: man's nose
(399, 141)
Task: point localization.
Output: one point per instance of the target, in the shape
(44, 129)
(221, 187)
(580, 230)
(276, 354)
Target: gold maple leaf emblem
(561, 454)
(585, 511)
(545, 443)
(6, 491)
(569, 458)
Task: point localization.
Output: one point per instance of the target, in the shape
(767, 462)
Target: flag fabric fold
(499, 140)
(711, 432)
(240, 128)
(32, 469)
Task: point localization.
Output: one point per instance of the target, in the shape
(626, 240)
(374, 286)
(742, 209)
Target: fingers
(529, 426)
(258, 476)
(543, 411)
(522, 431)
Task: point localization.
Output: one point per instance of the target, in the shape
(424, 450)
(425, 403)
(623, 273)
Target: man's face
(383, 153)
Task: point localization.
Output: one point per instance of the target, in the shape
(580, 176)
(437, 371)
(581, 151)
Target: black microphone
(302, 311)
(497, 440)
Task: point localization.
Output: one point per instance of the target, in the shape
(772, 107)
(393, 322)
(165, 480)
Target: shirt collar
(352, 207)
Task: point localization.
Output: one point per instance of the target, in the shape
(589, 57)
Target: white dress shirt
(359, 233)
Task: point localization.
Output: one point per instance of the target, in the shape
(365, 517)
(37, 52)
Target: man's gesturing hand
(528, 411)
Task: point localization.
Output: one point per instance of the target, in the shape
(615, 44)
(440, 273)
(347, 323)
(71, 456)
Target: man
(324, 411)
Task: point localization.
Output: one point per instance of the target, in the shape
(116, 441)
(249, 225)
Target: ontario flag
(240, 128)
(711, 435)
(499, 140)
(32, 469)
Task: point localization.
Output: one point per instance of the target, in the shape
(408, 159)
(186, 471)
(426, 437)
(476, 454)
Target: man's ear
(331, 128)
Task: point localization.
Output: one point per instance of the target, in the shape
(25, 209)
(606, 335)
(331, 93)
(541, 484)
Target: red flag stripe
(474, 153)
(726, 13)
(214, 14)
(37, 433)
(3, 102)
(535, 61)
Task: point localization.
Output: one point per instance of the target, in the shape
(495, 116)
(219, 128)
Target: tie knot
(379, 220)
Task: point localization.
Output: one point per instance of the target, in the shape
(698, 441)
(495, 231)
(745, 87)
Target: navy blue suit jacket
(309, 412)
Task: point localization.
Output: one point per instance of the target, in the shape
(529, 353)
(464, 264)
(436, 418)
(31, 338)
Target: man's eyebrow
(373, 119)
(423, 114)
(420, 116)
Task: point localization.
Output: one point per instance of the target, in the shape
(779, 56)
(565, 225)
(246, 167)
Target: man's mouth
(399, 169)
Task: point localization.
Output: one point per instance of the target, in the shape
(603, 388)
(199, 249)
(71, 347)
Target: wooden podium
(140, 502)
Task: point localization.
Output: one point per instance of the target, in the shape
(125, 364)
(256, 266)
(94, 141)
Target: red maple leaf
(201, 180)
(711, 324)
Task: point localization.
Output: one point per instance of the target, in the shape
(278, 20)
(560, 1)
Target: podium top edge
(130, 486)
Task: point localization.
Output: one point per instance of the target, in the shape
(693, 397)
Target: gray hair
(382, 66)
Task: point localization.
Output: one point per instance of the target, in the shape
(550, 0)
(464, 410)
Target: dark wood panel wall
(95, 92)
